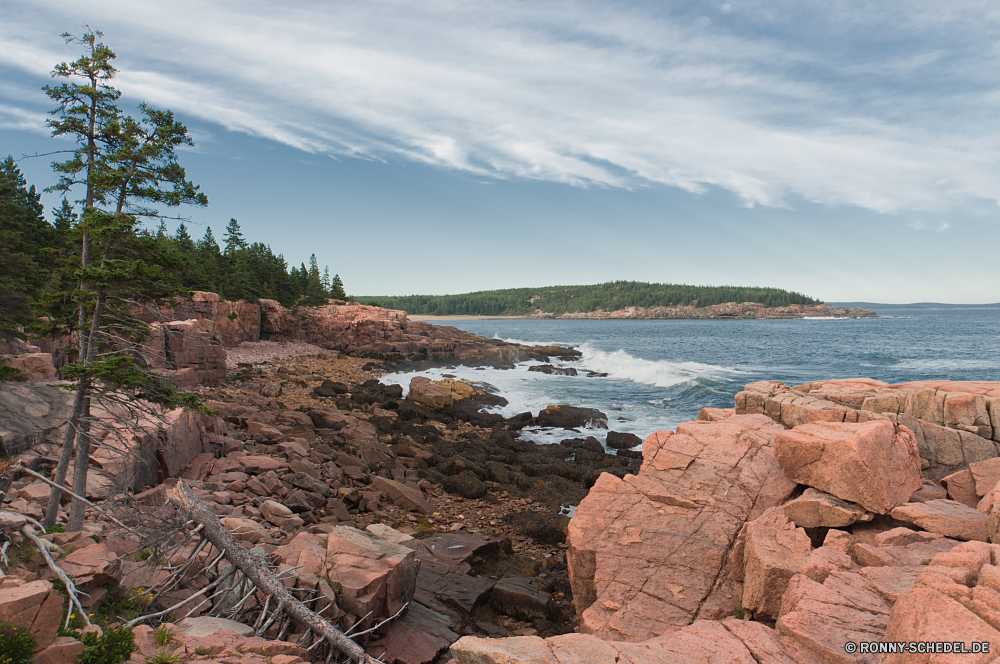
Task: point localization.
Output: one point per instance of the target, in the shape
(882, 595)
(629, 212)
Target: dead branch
(258, 572)
(71, 588)
(77, 497)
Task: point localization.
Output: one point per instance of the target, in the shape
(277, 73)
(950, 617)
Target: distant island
(622, 299)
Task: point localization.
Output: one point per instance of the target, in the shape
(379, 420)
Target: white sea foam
(826, 318)
(661, 373)
(942, 366)
(522, 342)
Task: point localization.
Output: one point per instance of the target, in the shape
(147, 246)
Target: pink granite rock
(961, 487)
(774, 551)
(945, 517)
(645, 552)
(874, 464)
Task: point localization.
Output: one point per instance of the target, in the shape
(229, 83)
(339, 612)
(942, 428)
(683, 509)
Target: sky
(845, 150)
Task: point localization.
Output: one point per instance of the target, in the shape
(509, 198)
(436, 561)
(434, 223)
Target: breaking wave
(661, 373)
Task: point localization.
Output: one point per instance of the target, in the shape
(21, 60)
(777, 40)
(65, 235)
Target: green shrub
(8, 372)
(114, 647)
(55, 528)
(16, 644)
(162, 635)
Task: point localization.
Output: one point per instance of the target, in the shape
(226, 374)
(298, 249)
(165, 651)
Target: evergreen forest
(602, 297)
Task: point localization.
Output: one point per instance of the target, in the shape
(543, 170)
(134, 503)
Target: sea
(662, 372)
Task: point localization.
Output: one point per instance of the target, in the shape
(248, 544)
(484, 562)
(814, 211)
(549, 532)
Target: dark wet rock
(466, 484)
(330, 388)
(541, 527)
(590, 444)
(570, 417)
(553, 371)
(623, 441)
(518, 597)
(596, 374)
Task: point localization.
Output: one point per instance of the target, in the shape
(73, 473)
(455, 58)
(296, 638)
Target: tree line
(601, 297)
(35, 254)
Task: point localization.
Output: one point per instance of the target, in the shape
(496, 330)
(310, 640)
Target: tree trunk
(255, 569)
(82, 460)
(55, 496)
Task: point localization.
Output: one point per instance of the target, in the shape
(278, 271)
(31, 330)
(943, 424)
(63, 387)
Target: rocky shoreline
(803, 518)
(730, 310)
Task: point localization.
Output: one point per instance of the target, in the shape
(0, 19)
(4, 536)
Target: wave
(826, 318)
(522, 342)
(941, 365)
(661, 373)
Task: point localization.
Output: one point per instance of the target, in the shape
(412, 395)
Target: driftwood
(257, 571)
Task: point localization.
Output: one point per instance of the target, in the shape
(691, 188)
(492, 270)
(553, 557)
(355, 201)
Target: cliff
(189, 337)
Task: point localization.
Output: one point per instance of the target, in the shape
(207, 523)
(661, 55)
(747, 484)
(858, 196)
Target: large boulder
(815, 509)
(35, 606)
(774, 551)
(427, 393)
(572, 417)
(645, 551)
(375, 576)
(945, 517)
(873, 464)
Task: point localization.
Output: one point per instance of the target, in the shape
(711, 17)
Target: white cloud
(585, 94)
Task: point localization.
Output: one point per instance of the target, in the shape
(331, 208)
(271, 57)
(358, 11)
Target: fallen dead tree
(257, 572)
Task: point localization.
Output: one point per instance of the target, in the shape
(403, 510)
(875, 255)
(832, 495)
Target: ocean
(662, 372)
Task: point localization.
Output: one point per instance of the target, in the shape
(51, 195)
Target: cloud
(881, 110)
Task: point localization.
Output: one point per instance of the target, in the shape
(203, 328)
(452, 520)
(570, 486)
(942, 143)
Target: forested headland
(610, 296)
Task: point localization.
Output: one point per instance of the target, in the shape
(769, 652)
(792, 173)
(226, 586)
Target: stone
(822, 617)
(34, 366)
(945, 517)
(773, 552)
(305, 551)
(62, 650)
(36, 492)
(310, 483)
(824, 561)
(95, 564)
(715, 414)
(260, 464)
(246, 530)
(30, 605)
(201, 626)
(572, 417)
(986, 474)
(623, 441)
(644, 552)
(917, 553)
(374, 575)
(390, 534)
(904, 537)
(407, 497)
(961, 487)
(929, 492)
(891, 582)
(924, 614)
(427, 393)
(518, 597)
(873, 464)
(815, 509)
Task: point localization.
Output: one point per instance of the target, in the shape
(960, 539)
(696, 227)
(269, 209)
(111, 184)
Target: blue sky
(848, 150)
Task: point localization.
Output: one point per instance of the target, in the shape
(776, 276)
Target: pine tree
(234, 238)
(326, 280)
(121, 162)
(24, 233)
(337, 289)
(184, 241)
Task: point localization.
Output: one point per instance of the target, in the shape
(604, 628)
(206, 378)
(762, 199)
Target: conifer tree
(125, 165)
(337, 288)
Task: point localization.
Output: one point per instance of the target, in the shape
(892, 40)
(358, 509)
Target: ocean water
(662, 372)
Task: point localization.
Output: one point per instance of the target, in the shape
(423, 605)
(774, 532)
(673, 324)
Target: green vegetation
(602, 297)
(162, 635)
(16, 644)
(116, 646)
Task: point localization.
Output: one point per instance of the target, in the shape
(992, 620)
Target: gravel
(259, 352)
